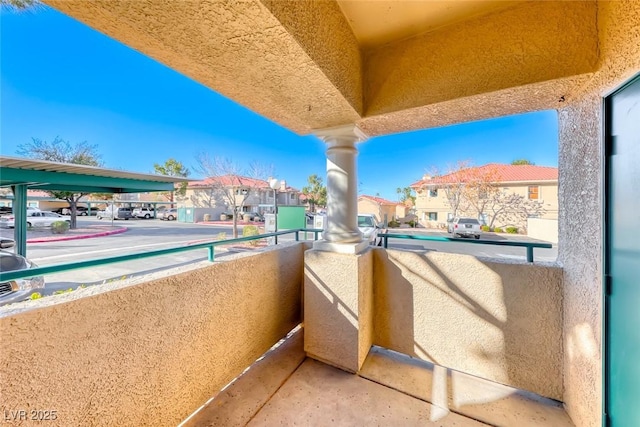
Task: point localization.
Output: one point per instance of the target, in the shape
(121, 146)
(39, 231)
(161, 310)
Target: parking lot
(145, 235)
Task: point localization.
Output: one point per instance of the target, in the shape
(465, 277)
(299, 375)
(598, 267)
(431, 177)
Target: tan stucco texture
(338, 307)
(516, 47)
(498, 321)
(321, 395)
(300, 65)
(300, 74)
(151, 354)
(237, 404)
(580, 196)
(477, 398)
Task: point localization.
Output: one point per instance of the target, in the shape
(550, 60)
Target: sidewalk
(44, 234)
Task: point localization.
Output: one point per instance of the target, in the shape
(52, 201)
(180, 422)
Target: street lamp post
(275, 184)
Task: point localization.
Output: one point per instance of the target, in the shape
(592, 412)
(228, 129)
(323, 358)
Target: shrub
(393, 224)
(36, 295)
(59, 227)
(222, 236)
(498, 230)
(512, 230)
(485, 228)
(251, 230)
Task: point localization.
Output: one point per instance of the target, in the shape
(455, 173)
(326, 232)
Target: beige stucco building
(220, 194)
(346, 71)
(381, 208)
(440, 198)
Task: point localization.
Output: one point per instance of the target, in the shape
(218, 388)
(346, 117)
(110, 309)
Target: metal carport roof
(22, 174)
(45, 175)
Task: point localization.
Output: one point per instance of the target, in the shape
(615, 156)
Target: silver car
(465, 227)
(168, 214)
(19, 289)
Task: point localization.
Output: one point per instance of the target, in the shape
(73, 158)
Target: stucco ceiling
(382, 21)
(387, 66)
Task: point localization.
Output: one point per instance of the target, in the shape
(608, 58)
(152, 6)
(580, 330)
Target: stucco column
(338, 282)
(341, 227)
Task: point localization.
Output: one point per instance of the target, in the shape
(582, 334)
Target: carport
(22, 174)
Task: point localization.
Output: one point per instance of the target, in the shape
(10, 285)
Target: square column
(338, 307)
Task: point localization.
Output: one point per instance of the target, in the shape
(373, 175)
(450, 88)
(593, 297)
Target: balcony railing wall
(152, 353)
(500, 321)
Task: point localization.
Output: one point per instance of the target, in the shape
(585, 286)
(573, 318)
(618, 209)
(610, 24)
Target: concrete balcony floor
(287, 388)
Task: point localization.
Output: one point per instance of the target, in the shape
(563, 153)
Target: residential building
(381, 208)
(497, 194)
(345, 72)
(43, 200)
(219, 194)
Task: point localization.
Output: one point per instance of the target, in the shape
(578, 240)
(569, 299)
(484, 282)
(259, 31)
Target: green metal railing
(528, 245)
(58, 268)
(210, 246)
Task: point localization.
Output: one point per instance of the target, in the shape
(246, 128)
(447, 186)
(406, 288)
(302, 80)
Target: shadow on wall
(329, 322)
(497, 321)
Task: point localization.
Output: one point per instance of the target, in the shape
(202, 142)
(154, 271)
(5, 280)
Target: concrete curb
(229, 223)
(78, 237)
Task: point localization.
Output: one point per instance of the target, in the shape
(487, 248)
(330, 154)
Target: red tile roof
(379, 200)
(230, 181)
(495, 172)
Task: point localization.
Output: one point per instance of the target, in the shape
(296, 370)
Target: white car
(145, 213)
(35, 219)
(465, 227)
(369, 227)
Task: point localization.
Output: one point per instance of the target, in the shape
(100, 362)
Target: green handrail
(528, 245)
(40, 271)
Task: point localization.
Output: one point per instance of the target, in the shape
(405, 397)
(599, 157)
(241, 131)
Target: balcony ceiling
(388, 66)
(375, 23)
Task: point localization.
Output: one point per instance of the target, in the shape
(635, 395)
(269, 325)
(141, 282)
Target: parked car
(369, 227)
(8, 210)
(20, 289)
(35, 218)
(255, 216)
(115, 213)
(145, 213)
(80, 211)
(465, 227)
(168, 214)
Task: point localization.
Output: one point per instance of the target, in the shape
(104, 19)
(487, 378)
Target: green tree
(172, 167)
(315, 192)
(522, 162)
(406, 196)
(63, 151)
(19, 4)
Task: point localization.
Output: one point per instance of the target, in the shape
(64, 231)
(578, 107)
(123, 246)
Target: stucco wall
(522, 40)
(543, 229)
(338, 307)
(371, 207)
(580, 195)
(153, 353)
(498, 321)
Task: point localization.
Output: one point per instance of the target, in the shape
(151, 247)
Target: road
(141, 236)
(145, 235)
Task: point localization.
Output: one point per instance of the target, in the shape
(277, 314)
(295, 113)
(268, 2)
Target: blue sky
(61, 78)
